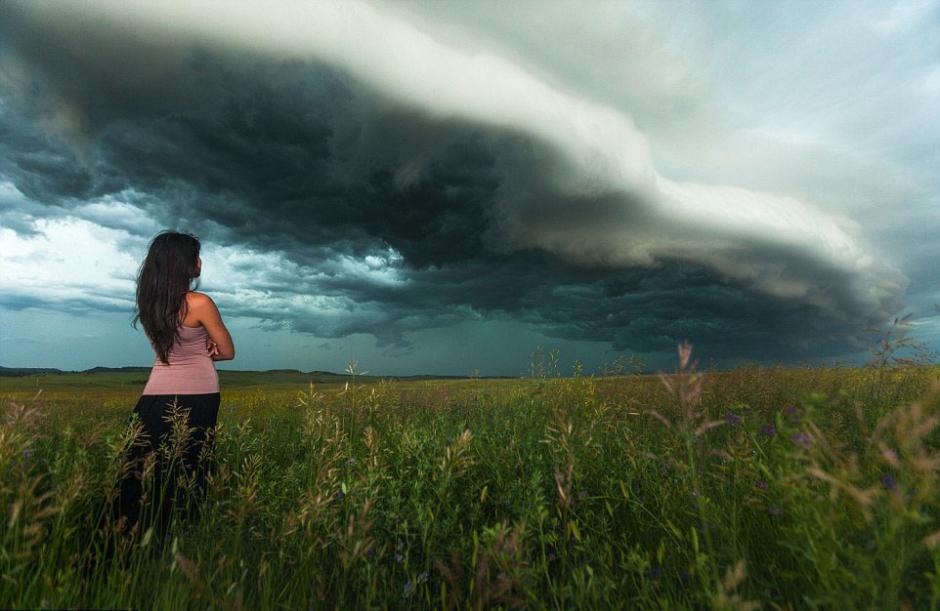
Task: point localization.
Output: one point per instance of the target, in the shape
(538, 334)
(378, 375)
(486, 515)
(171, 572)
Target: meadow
(761, 487)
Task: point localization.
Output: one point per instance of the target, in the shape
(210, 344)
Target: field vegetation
(775, 488)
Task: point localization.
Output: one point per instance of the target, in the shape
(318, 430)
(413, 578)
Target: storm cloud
(396, 169)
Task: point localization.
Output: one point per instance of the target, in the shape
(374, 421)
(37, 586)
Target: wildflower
(792, 412)
(350, 462)
(762, 485)
(732, 418)
(399, 558)
(889, 482)
(704, 527)
(655, 571)
(27, 452)
(803, 440)
(423, 577)
(768, 430)
(409, 588)
(340, 495)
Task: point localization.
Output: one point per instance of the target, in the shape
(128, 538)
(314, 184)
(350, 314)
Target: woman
(187, 335)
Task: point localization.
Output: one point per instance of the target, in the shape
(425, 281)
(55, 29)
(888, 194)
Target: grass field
(769, 488)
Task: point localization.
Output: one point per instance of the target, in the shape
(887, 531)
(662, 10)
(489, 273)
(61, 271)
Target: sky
(437, 187)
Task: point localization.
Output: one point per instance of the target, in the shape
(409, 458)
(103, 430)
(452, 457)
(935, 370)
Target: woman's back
(191, 369)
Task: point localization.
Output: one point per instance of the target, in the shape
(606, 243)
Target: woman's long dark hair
(162, 283)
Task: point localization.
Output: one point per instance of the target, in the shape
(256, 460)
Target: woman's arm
(208, 314)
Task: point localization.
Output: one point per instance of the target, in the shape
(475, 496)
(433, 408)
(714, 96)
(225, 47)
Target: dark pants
(192, 457)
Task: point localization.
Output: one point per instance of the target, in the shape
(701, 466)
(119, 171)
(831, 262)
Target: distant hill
(114, 369)
(28, 371)
(36, 371)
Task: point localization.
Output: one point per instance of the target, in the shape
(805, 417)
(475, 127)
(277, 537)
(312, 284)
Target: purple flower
(792, 412)
(768, 430)
(889, 482)
(762, 485)
(340, 495)
(409, 588)
(732, 418)
(803, 440)
(655, 571)
(706, 526)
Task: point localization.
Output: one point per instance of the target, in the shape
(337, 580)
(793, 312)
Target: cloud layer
(406, 169)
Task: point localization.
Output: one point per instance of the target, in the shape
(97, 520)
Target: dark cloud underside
(294, 156)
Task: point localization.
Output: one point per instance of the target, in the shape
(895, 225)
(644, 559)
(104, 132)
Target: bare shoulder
(197, 299)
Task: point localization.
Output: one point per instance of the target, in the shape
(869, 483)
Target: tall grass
(759, 487)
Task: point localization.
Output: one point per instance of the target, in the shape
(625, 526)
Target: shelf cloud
(410, 167)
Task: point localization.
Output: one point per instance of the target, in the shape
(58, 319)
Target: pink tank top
(191, 370)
